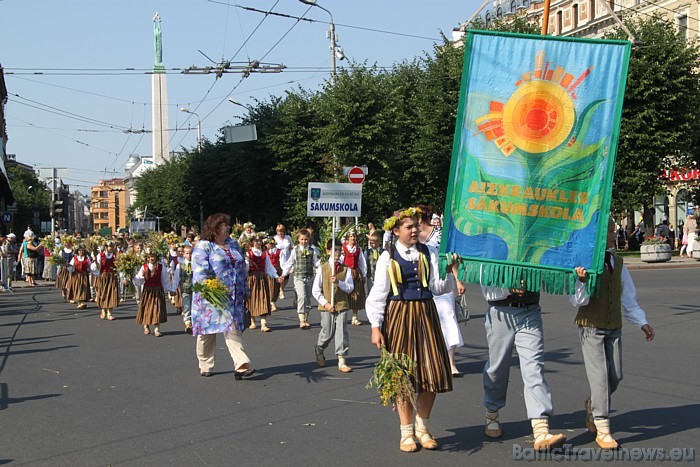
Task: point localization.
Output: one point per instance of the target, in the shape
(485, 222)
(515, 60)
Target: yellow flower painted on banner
(539, 115)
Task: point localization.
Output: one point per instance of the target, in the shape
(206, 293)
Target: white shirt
(165, 281)
(176, 273)
(284, 245)
(347, 285)
(375, 304)
(96, 266)
(630, 308)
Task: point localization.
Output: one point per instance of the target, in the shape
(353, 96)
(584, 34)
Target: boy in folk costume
(64, 274)
(79, 283)
(374, 251)
(333, 275)
(182, 281)
(155, 279)
(303, 259)
(106, 285)
(259, 268)
(404, 318)
(599, 321)
(354, 259)
(275, 255)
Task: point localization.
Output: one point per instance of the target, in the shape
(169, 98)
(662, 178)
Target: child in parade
(275, 255)
(106, 285)
(404, 318)
(259, 268)
(354, 259)
(374, 251)
(155, 279)
(303, 259)
(334, 276)
(79, 282)
(182, 281)
(247, 234)
(284, 245)
(137, 249)
(174, 259)
(599, 321)
(64, 273)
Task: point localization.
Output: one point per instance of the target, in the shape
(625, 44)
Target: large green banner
(533, 159)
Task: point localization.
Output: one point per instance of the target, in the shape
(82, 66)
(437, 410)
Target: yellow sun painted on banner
(539, 115)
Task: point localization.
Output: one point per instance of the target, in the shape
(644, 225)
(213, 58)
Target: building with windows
(108, 206)
(6, 197)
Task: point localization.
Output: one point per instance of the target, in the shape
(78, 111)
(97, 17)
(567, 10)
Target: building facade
(6, 198)
(108, 206)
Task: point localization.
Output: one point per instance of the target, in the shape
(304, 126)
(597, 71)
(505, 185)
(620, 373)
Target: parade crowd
(224, 283)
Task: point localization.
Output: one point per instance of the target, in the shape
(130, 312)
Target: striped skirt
(412, 327)
(259, 301)
(152, 306)
(357, 297)
(275, 286)
(63, 277)
(79, 287)
(107, 291)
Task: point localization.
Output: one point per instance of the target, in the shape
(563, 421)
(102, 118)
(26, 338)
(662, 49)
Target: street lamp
(331, 36)
(199, 127)
(235, 102)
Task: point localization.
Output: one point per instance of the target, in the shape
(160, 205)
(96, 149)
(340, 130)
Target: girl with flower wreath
(259, 268)
(106, 286)
(275, 255)
(155, 279)
(405, 320)
(64, 274)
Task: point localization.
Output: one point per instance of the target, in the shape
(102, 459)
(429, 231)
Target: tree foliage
(31, 195)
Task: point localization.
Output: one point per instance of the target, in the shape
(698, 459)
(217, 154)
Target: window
(592, 8)
(513, 6)
(488, 19)
(575, 15)
(104, 204)
(104, 215)
(682, 25)
(499, 12)
(559, 22)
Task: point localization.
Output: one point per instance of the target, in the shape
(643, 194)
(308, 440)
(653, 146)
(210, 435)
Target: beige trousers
(206, 350)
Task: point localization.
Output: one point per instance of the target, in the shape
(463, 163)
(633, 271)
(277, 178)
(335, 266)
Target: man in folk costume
(354, 259)
(106, 286)
(599, 320)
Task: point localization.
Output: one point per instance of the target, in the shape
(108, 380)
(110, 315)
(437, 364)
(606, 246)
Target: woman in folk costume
(107, 284)
(259, 268)
(79, 283)
(284, 245)
(155, 278)
(407, 323)
(275, 255)
(355, 261)
(63, 273)
(430, 234)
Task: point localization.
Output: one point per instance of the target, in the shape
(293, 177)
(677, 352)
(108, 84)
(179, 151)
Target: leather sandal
(408, 444)
(426, 440)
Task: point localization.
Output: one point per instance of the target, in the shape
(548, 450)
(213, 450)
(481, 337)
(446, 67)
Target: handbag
(461, 309)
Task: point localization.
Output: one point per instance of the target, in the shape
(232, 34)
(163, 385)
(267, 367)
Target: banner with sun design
(533, 159)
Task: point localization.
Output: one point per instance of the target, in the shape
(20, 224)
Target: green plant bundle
(48, 242)
(393, 377)
(654, 241)
(56, 259)
(215, 292)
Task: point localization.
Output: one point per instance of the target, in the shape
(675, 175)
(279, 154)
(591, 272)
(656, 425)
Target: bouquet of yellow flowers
(128, 263)
(392, 377)
(171, 238)
(214, 291)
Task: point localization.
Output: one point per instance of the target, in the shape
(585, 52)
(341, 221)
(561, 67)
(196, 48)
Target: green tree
(659, 127)
(31, 195)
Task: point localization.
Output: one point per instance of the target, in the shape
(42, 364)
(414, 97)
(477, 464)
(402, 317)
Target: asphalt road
(75, 390)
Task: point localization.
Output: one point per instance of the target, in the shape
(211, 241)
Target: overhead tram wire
(362, 28)
(267, 13)
(651, 15)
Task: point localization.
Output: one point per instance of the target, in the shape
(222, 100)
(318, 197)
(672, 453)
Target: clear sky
(75, 117)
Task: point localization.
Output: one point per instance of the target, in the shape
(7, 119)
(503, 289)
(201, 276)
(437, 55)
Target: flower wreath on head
(398, 216)
(249, 224)
(269, 241)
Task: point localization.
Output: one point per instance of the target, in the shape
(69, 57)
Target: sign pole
(331, 259)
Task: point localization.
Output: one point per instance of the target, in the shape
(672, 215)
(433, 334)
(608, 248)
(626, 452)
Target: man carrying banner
(514, 319)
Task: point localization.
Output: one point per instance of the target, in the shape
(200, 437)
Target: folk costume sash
(533, 159)
(398, 277)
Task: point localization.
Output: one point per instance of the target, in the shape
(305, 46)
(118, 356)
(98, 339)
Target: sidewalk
(635, 263)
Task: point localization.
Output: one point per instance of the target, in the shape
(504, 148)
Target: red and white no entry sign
(356, 175)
